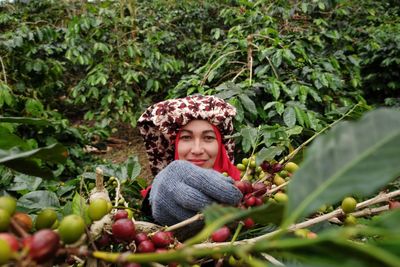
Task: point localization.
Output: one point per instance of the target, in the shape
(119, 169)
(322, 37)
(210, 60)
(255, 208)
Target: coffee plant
(317, 153)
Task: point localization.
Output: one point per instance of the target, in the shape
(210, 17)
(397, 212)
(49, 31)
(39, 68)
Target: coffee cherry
(249, 200)
(291, 167)
(161, 239)
(97, 209)
(140, 237)
(259, 189)
(253, 164)
(245, 161)
(5, 220)
(71, 228)
(146, 246)
(104, 240)
(124, 230)
(302, 232)
(281, 197)
(45, 219)
(221, 235)
(241, 167)
(23, 220)
(44, 246)
(265, 166)
(278, 180)
(120, 214)
(132, 264)
(244, 186)
(350, 220)
(349, 205)
(248, 223)
(11, 240)
(8, 203)
(5, 252)
(258, 201)
(394, 205)
(277, 167)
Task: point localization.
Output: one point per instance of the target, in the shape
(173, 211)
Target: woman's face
(198, 144)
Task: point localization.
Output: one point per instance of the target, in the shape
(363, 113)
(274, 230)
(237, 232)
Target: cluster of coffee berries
(37, 242)
(252, 193)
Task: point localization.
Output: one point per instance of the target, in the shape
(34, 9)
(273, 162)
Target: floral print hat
(160, 123)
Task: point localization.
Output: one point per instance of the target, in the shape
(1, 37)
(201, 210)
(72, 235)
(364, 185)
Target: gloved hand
(182, 189)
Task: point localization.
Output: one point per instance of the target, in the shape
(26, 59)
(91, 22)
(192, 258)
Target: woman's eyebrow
(203, 132)
(208, 131)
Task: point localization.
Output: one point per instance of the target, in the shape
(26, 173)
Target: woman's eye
(185, 137)
(209, 138)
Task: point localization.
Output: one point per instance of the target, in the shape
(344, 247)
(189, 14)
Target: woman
(185, 143)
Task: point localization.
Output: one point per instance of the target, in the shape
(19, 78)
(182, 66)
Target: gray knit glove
(183, 189)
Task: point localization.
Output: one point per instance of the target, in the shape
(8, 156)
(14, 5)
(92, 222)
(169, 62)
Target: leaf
(248, 104)
(54, 153)
(354, 158)
(25, 182)
(25, 120)
(80, 208)
(268, 154)
(289, 116)
(133, 167)
(38, 200)
(249, 138)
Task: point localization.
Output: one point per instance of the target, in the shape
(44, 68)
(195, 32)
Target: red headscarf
(222, 162)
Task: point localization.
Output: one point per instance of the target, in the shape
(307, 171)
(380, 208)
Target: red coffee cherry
(124, 230)
(120, 214)
(161, 239)
(221, 235)
(44, 246)
(140, 237)
(248, 223)
(259, 189)
(11, 240)
(146, 246)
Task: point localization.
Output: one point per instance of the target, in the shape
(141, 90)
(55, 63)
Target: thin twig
(382, 197)
(186, 222)
(4, 70)
(250, 57)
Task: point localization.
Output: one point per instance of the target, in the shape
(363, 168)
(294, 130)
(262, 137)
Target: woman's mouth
(198, 162)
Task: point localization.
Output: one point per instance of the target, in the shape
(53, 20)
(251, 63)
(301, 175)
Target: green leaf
(54, 153)
(354, 158)
(249, 138)
(80, 208)
(25, 182)
(248, 104)
(38, 200)
(27, 161)
(133, 167)
(268, 153)
(289, 116)
(25, 120)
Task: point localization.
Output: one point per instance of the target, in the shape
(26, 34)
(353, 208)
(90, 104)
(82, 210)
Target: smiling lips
(198, 162)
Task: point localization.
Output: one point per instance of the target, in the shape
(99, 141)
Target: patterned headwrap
(160, 123)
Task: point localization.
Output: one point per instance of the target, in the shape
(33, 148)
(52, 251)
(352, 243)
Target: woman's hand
(183, 189)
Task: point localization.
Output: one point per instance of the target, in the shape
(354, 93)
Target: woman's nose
(197, 147)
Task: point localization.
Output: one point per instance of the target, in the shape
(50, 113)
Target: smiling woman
(188, 154)
(197, 143)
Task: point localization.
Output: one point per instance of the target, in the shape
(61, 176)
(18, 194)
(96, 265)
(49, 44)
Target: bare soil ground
(131, 143)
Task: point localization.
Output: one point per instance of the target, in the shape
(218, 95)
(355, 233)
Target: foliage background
(290, 67)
